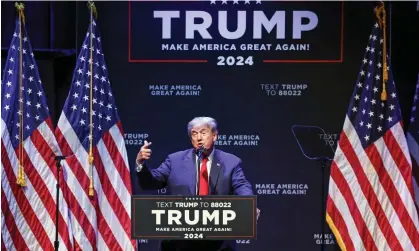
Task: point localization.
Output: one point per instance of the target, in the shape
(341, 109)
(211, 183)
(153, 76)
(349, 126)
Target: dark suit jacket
(178, 172)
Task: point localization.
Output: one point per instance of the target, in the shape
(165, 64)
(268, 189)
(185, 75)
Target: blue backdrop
(255, 104)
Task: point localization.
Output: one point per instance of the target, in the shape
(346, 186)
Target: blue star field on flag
(370, 116)
(28, 99)
(77, 105)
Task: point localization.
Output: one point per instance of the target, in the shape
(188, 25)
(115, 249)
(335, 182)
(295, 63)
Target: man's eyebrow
(203, 129)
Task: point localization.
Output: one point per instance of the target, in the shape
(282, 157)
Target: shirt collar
(211, 155)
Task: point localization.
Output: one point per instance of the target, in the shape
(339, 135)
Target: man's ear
(214, 137)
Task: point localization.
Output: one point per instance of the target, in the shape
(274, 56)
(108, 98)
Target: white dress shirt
(209, 162)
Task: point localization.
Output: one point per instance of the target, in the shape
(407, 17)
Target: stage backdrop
(259, 68)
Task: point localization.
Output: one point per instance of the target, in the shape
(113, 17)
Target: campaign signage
(200, 217)
(239, 33)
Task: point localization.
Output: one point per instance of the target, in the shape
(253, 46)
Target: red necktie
(203, 178)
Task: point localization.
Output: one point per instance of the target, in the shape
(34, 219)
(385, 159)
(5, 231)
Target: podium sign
(198, 217)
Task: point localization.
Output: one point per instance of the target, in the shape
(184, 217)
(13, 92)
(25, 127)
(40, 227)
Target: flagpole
(92, 11)
(20, 174)
(382, 23)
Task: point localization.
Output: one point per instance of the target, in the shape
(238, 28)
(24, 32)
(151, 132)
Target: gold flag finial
(20, 7)
(92, 8)
(380, 13)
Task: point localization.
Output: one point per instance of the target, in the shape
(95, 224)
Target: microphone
(200, 152)
(59, 157)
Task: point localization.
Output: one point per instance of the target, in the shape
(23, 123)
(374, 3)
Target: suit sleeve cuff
(139, 166)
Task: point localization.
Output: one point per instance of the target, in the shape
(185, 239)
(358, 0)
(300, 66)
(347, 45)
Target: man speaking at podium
(220, 173)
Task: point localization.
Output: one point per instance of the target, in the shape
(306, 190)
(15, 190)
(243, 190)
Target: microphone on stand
(58, 158)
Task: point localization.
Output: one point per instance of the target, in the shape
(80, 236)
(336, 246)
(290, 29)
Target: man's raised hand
(144, 153)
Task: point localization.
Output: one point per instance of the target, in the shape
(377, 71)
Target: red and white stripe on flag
(370, 204)
(101, 222)
(28, 213)
(414, 153)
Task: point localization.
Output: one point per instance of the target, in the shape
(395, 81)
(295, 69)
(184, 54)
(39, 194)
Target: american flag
(370, 204)
(413, 142)
(27, 139)
(101, 221)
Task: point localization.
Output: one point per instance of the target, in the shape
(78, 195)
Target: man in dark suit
(220, 173)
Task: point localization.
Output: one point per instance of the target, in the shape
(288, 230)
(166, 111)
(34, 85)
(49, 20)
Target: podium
(214, 217)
